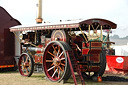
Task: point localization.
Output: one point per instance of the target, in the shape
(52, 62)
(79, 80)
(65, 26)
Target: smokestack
(39, 15)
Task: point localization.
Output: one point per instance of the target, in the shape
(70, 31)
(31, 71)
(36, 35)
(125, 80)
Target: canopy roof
(67, 24)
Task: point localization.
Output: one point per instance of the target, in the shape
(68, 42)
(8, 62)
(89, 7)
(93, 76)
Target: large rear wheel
(55, 62)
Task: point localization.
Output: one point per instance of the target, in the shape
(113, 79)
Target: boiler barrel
(34, 50)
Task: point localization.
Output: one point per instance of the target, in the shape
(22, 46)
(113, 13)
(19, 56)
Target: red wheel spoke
(22, 59)
(61, 69)
(51, 57)
(49, 61)
(51, 68)
(62, 64)
(58, 50)
(52, 64)
(26, 59)
(23, 68)
(54, 69)
(62, 59)
(51, 54)
(29, 67)
(54, 48)
(54, 73)
(29, 63)
(58, 72)
(27, 70)
(61, 54)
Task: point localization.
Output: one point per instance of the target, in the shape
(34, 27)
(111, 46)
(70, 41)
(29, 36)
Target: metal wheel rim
(25, 65)
(55, 70)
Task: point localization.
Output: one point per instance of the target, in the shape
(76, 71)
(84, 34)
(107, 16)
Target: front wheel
(26, 65)
(55, 62)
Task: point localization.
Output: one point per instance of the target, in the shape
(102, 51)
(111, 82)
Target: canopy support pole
(83, 35)
(101, 35)
(89, 31)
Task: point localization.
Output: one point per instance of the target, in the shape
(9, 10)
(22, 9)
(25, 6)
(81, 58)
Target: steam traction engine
(61, 50)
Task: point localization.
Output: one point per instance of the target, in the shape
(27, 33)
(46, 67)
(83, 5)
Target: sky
(55, 10)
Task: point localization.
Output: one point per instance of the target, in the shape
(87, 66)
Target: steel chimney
(39, 14)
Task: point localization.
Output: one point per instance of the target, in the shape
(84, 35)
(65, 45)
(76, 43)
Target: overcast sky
(54, 10)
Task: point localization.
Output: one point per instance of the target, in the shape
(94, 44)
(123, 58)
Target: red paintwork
(77, 68)
(39, 50)
(40, 46)
(95, 51)
(6, 66)
(46, 66)
(58, 34)
(7, 41)
(116, 67)
(85, 51)
(38, 59)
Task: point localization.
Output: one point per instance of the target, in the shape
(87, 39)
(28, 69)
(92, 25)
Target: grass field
(14, 78)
